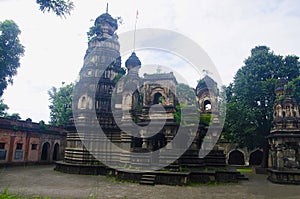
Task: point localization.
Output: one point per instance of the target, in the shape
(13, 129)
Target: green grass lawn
(7, 195)
(245, 170)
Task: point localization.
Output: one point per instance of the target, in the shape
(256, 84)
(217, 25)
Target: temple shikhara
(129, 108)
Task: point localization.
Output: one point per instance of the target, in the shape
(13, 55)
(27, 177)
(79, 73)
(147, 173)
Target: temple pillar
(279, 154)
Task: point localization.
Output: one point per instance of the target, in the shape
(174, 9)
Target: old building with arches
(26, 142)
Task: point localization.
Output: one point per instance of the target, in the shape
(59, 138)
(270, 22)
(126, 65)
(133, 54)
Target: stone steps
(148, 179)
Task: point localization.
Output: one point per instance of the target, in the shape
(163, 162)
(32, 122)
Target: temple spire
(106, 7)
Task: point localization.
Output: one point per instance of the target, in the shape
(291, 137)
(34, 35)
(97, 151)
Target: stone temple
(284, 139)
(128, 108)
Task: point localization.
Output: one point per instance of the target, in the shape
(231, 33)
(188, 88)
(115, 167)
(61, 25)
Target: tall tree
(252, 94)
(59, 7)
(61, 104)
(10, 52)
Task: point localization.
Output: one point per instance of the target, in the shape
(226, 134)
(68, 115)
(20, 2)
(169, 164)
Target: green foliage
(61, 104)
(177, 114)
(205, 119)
(3, 112)
(94, 30)
(14, 116)
(251, 97)
(3, 108)
(185, 94)
(10, 52)
(7, 195)
(43, 125)
(59, 7)
(97, 30)
(295, 87)
(118, 76)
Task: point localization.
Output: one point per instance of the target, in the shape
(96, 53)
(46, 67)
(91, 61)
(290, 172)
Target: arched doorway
(256, 157)
(236, 157)
(207, 105)
(56, 152)
(157, 98)
(45, 152)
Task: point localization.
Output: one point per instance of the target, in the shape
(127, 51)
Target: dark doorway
(56, 152)
(256, 157)
(207, 105)
(236, 157)
(157, 98)
(45, 151)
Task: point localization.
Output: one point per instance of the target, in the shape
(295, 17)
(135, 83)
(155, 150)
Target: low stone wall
(202, 177)
(81, 169)
(162, 177)
(284, 177)
(122, 175)
(171, 178)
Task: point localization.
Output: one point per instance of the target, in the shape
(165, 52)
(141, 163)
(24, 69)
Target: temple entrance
(207, 105)
(236, 157)
(256, 157)
(157, 98)
(56, 152)
(45, 152)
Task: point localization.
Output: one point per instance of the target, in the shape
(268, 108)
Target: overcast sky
(227, 30)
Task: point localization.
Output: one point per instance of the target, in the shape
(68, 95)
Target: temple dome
(132, 61)
(108, 19)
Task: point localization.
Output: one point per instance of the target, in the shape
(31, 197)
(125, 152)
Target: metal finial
(106, 7)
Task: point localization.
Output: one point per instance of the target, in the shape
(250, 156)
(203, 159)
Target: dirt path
(43, 180)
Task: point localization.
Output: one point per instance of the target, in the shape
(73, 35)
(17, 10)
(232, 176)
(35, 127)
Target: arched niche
(56, 152)
(236, 157)
(45, 155)
(256, 157)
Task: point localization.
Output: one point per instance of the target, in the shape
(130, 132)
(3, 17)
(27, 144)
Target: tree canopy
(59, 7)
(3, 112)
(185, 94)
(251, 96)
(295, 87)
(3, 108)
(10, 52)
(61, 104)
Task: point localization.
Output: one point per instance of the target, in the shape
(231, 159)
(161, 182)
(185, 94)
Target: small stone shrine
(284, 139)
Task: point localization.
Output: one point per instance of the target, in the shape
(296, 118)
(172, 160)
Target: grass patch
(245, 170)
(7, 195)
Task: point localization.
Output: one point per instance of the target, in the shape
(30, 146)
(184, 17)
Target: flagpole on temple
(136, 17)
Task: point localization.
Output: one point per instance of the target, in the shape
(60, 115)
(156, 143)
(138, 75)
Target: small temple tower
(284, 138)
